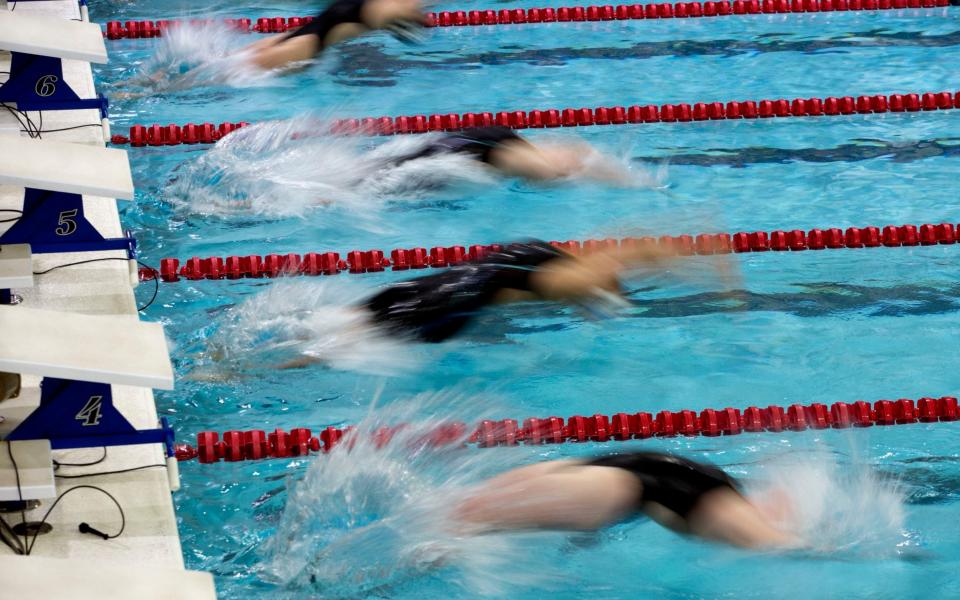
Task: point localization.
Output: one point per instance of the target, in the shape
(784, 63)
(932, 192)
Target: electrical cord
(29, 128)
(130, 470)
(26, 546)
(23, 512)
(156, 281)
(57, 464)
(11, 210)
(35, 130)
(9, 537)
(79, 262)
(74, 127)
(123, 517)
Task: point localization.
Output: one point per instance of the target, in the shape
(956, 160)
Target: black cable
(156, 279)
(28, 548)
(156, 287)
(123, 517)
(79, 262)
(74, 127)
(9, 537)
(11, 210)
(23, 512)
(17, 114)
(131, 469)
(35, 130)
(57, 464)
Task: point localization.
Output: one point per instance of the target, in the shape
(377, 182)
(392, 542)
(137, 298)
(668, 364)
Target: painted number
(46, 86)
(90, 414)
(67, 224)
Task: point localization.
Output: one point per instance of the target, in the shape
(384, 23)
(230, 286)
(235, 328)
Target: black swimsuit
(476, 141)
(350, 11)
(676, 483)
(435, 307)
(341, 11)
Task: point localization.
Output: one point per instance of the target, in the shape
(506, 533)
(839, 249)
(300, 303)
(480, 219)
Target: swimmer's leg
(564, 495)
(285, 49)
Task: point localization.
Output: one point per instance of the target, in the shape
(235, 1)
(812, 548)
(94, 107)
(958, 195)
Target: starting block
(79, 357)
(57, 578)
(55, 175)
(38, 45)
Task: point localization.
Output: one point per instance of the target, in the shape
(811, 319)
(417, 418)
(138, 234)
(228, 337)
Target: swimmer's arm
(573, 278)
(577, 277)
(299, 362)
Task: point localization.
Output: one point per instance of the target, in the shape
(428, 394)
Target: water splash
(288, 169)
(842, 510)
(366, 517)
(291, 168)
(191, 55)
(297, 322)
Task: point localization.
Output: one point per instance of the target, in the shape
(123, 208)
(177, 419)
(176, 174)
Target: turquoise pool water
(798, 327)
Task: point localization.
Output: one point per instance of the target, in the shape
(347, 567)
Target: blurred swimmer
(342, 20)
(192, 57)
(513, 156)
(436, 307)
(682, 495)
(290, 167)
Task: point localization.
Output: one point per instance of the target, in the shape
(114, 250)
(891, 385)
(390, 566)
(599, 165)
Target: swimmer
(505, 151)
(342, 20)
(571, 495)
(436, 307)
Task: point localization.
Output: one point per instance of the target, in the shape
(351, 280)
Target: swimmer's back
(435, 307)
(477, 142)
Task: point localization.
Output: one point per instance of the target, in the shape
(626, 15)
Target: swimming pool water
(800, 327)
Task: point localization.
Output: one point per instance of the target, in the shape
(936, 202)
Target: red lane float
(234, 446)
(402, 259)
(207, 133)
(117, 30)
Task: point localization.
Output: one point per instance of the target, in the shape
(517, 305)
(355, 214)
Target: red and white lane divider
(832, 106)
(234, 446)
(401, 259)
(117, 30)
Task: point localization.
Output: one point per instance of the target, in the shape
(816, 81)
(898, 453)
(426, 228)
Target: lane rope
(234, 446)
(831, 106)
(117, 30)
(402, 259)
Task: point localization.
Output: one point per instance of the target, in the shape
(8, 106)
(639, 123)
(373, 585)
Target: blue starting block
(79, 358)
(81, 414)
(36, 83)
(38, 45)
(55, 222)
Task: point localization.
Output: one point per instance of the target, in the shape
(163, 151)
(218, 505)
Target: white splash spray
(190, 55)
(366, 517)
(291, 168)
(298, 322)
(836, 509)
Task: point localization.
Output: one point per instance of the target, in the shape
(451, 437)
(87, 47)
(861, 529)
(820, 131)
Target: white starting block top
(86, 579)
(65, 167)
(16, 266)
(51, 36)
(103, 349)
